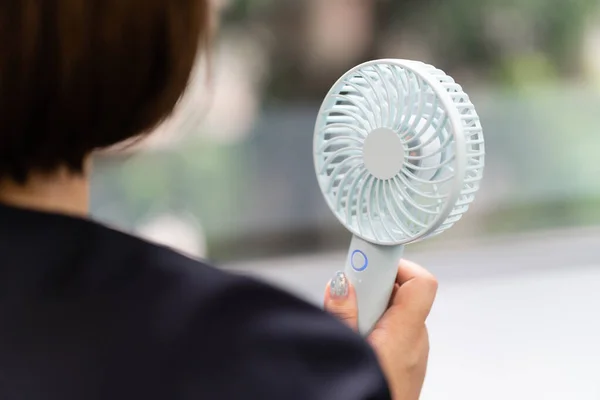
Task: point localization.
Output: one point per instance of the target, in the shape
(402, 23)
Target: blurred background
(230, 176)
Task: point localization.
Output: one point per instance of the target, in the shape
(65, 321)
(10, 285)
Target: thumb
(340, 300)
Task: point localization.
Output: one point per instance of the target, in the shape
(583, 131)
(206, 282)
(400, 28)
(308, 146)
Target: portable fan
(399, 154)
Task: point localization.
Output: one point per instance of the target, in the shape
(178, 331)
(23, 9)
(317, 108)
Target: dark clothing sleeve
(270, 345)
(87, 312)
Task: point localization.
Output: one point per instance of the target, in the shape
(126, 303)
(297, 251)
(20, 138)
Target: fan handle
(372, 270)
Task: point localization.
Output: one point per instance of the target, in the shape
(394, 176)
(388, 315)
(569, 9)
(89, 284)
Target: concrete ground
(515, 318)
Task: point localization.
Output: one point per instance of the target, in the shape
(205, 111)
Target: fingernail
(338, 288)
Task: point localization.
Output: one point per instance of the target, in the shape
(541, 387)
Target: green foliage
(201, 177)
(242, 10)
(527, 70)
(458, 33)
(541, 215)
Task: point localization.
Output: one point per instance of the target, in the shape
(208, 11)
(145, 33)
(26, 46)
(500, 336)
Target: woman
(87, 312)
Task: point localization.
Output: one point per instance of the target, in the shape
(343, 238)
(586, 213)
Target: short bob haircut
(82, 75)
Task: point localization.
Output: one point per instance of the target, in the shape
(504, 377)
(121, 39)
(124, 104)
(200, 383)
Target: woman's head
(79, 75)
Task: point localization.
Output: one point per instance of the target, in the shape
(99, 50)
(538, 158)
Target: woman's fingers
(416, 292)
(408, 270)
(340, 300)
(410, 303)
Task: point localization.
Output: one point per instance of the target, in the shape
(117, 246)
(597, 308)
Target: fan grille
(441, 139)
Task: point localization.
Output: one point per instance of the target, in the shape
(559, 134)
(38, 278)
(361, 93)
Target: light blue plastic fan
(399, 154)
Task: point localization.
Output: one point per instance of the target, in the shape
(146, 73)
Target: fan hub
(383, 153)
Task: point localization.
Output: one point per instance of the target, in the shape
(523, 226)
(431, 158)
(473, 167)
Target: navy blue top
(87, 312)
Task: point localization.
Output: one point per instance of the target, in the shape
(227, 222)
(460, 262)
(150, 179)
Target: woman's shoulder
(235, 334)
(175, 323)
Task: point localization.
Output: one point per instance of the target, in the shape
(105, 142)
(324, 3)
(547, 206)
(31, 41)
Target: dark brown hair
(80, 75)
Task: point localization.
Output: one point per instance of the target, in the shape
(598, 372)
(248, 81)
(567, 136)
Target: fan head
(398, 151)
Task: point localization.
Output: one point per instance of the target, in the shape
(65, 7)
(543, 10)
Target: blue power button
(359, 261)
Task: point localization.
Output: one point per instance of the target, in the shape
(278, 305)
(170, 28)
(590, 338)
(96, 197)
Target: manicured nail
(338, 287)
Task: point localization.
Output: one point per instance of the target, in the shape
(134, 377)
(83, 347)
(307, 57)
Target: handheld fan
(399, 154)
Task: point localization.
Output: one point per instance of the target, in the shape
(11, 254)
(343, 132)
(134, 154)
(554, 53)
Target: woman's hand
(400, 337)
